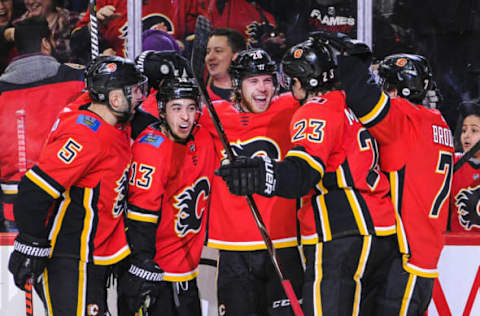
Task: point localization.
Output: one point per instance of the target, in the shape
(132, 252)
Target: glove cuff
(270, 178)
(152, 273)
(30, 246)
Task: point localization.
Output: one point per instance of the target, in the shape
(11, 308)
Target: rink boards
(455, 293)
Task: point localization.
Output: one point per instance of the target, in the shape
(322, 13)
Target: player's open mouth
(260, 100)
(184, 127)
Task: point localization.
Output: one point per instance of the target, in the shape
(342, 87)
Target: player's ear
(115, 98)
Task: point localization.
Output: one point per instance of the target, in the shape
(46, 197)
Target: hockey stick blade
(466, 156)
(202, 31)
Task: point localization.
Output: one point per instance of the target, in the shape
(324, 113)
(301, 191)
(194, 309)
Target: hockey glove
(28, 259)
(246, 176)
(141, 282)
(343, 45)
(258, 32)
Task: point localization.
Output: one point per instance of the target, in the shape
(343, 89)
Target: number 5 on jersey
(69, 151)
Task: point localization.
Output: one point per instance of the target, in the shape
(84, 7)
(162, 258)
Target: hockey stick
(22, 167)
(94, 30)
(28, 298)
(466, 156)
(202, 31)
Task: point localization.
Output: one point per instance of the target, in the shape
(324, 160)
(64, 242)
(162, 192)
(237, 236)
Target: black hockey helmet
(106, 73)
(410, 74)
(312, 63)
(252, 62)
(177, 88)
(159, 65)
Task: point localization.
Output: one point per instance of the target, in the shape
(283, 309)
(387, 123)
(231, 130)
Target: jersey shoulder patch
(152, 139)
(89, 121)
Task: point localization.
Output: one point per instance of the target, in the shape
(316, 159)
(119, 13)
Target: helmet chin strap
(302, 100)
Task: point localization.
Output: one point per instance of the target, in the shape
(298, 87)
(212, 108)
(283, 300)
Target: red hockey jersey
(178, 17)
(150, 104)
(231, 225)
(352, 196)
(170, 185)
(84, 165)
(27, 113)
(416, 148)
(465, 197)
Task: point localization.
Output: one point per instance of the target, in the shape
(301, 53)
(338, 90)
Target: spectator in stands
(223, 45)
(465, 194)
(33, 89)
(6, 11)
(60, 21)
(9, 11)
(176, 17)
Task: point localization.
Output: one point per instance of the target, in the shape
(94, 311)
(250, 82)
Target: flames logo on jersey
(191, 203)
(120, 204)
(256, 146)
(468, 203)
(154, 21)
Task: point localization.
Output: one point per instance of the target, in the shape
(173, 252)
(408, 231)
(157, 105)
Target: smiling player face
(257, 93)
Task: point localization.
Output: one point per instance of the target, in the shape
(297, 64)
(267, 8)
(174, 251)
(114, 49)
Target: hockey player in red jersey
(70, 205)
(247, 283)
(466, 180)
(347, 219)
(416, 150)
(176, 17)
(170, 183)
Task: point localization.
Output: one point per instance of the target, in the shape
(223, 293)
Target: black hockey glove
(344, 45)
(258, 32)
(246, 176)
(28, 259)
(141, 282)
